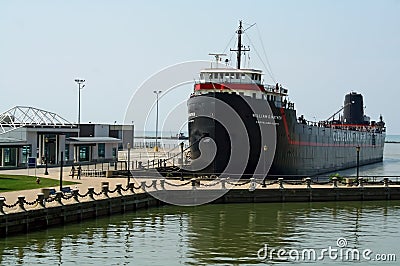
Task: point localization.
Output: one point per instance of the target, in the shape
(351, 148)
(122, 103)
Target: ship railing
(359, 128)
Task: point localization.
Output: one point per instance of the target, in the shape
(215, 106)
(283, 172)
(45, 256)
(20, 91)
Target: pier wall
(23, 217)
(25, 221)
(310, 195)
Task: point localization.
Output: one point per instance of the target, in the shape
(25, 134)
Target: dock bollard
(154, 184)
(91, 192)
(119, 188)
(386, 181)
(308, 182)
(75, 193)
(360, 182)
(131, 187)
(104, 189)
(2, 200)
(252, 184)
(143, 185)
(162, 184)
(59, 197)
(21, 200)
(40, 199)
(334, 180)
(195, 183)
(280, 182)
(223, 181)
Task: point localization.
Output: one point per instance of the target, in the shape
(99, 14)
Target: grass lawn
(21, 182)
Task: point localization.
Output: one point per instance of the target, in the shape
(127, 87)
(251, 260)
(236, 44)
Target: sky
(319, 50)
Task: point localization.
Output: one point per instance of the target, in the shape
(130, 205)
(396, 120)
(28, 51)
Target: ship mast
(240, 48)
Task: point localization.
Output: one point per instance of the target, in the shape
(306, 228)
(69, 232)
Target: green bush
(339, 177)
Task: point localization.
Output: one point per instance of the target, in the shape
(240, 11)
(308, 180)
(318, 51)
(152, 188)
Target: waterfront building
(27, 132)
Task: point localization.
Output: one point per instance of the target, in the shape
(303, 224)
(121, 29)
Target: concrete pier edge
(30, 220)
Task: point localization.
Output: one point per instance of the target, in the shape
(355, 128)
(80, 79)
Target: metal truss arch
(25, 116)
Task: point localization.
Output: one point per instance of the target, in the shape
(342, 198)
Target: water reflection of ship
(206, 235)
(236, 236)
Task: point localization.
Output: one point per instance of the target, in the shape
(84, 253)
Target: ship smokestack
(353, 112)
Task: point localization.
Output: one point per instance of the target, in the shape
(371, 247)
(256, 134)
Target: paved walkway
(85, 182)
(54, 173)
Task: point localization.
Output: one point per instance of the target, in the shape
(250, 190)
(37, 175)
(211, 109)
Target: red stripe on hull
(306, 143)
(229, 86)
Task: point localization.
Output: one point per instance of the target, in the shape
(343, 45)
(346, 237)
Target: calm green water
(213, 235)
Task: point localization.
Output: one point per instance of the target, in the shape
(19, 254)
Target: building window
(66, 156)
(26, 152)
(10, 157)
(114, 153)
(216, 75)
(101, 150)
(83, 153)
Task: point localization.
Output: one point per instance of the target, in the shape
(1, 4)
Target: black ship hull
(278, 143)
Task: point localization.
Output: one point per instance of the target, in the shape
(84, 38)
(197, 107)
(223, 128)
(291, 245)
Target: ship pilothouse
(244, 82)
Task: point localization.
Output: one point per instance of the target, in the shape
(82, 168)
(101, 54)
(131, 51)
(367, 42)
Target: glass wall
(101, 150)
(84, 155)
(26, 152)
(114, 153)
(10, 156)
(66, 155)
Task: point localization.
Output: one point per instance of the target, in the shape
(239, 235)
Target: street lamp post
(80, 87)
(46, 147)
(129, 161)
(61, 169)
(156, 147)
(358, 162)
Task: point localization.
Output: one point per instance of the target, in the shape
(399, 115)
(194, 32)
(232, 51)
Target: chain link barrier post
(21, 200)
(40, 200)
(280, 181)
(91, 193)
(2, 200)
(335, 182)
(386, 181)
(308, 182)
(361, 182)
(75, 193)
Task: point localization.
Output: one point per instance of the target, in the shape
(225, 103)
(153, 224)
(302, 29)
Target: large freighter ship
(240, 126)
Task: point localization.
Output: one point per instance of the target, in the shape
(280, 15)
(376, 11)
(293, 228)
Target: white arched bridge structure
(25, 116)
